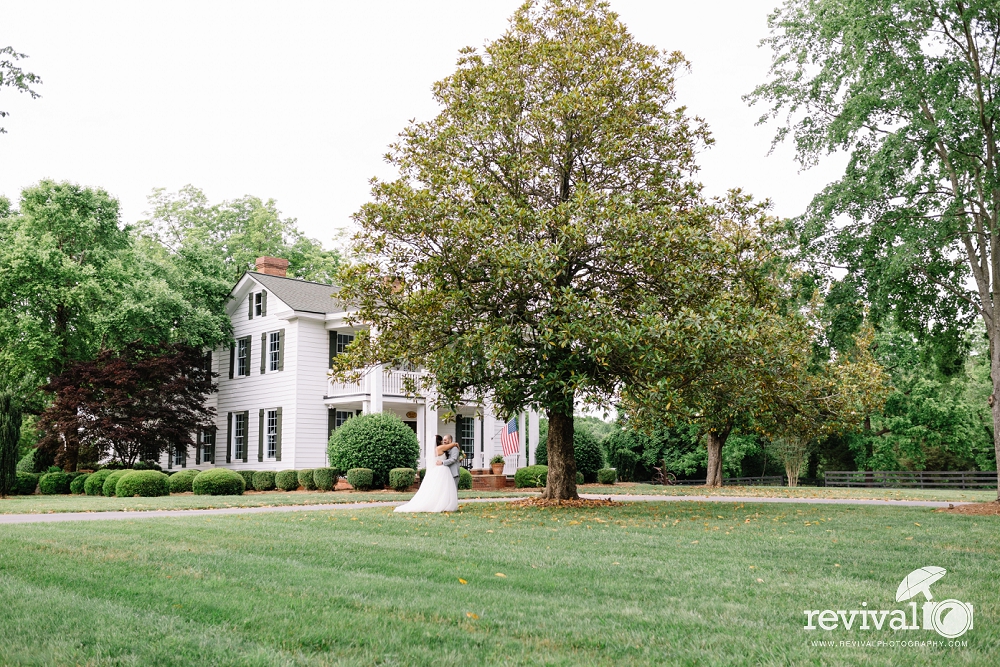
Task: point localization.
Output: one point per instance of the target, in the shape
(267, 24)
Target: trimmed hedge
(326, 478)
(379, 442)
(588, 454)
(94, 486)
(27, 482)
(111, 482)
(263, 480)
(77, 485)
(27, 462)
(247, 476)
(147, 465)
(531, 477)
(464, 479)
(219, 482)
(361, 479)
(54, 483)
(607, 476)
(143, 483)
(287, 480)
(181, 481)
(401, 479)
(306, 480)
(421, 473)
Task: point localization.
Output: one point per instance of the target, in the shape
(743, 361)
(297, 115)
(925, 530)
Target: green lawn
(39, 504)
(960, 495)
(640, 584)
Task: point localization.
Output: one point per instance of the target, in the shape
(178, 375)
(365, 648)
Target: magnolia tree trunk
(714, 443)
(561, 480)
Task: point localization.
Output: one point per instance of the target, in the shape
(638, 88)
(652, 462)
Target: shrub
(607, 476)
(94, 486)
(77, 485)
(143, 483)
(464, 479)
(27, 462)
(113, 465)
(401, 479)
(111, 481)
(326, 478)
(579, 477)
(497, 459)
(247, 476)
(180, 481)
(421, 473)
(588, 454)
(361, 479)
(542, 451)
(53, 483)
(219, 482)
(379, 442)
(147, 465)
(26, 484)
(306, 480)
(54, 469)
(287, 480)
(263, 480)
(531, 477)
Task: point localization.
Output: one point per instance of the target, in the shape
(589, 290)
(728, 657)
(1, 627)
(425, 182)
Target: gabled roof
(300, 295)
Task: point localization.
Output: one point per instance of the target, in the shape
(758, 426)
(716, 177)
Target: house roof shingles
(300, 295)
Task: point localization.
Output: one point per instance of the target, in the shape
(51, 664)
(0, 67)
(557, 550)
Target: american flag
(509, 439)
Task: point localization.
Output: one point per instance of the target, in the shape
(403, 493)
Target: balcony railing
(393, 384)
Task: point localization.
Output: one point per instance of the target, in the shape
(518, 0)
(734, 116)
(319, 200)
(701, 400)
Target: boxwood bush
(361, 479)
(379, 442)
(263, 480)
(607, 476)
(94, 486)
(27, 462)
(143, 483)
(588, 454)
(77, 485)
(27, 482)
(111, 481)
(180, 481)
(54, 483)
(421, 473)
(247, 476)
(287, 480)
(401, 479)
(464, 479)
(306, 480)
(531, 477)
(579, 477)
(326, 478)
(219, 482)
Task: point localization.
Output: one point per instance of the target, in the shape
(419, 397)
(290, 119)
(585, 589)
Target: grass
(637, 584)
(39, 504)
(950, 495)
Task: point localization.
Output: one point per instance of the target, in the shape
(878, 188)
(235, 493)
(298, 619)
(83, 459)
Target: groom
(451, 458)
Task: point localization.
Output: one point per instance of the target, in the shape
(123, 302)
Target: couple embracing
(438, 490)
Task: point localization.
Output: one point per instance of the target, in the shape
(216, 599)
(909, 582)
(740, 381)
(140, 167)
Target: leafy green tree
(545, 243)
(234, 234)
(12, 76)
(909, 90)
(10, 435)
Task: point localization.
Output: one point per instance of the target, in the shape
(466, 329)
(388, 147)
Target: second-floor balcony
(393, 384)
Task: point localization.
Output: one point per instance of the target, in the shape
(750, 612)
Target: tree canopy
(12, 76)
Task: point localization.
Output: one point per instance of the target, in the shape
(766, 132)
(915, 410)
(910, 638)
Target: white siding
(310, 366)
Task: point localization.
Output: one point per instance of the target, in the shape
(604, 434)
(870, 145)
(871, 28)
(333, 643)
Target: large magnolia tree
(545, 242)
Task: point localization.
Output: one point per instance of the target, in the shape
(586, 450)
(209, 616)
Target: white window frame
(239, 436)
(178, 455)
(258, 304)
(271, 433)
(243, 357)
(273, 350)
(341, 417)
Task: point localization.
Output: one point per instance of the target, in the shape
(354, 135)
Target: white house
(277, 406)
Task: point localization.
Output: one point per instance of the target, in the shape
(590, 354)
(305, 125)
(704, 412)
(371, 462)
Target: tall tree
(545, 240)
(236, 233)
(10, 436)
(12, 76)
(910, 90)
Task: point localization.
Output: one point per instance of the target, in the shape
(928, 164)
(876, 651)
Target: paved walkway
(58, 517)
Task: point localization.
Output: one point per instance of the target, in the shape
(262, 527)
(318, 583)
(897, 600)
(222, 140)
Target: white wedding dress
(437, 492)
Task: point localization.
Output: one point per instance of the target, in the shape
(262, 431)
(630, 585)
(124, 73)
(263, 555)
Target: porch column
(522, 437)
(533, 435)
(489, 426)
(377, 380)
(430, 424)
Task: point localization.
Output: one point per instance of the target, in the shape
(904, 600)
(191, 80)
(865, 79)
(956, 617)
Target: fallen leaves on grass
(542, 502)
(501, 575)
(462, 581)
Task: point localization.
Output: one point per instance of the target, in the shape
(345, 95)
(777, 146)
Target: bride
(438, 491)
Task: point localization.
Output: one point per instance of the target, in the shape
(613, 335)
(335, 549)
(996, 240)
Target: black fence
(920, 479)
(775, 480)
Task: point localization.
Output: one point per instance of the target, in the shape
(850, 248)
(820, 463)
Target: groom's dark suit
(451, 460)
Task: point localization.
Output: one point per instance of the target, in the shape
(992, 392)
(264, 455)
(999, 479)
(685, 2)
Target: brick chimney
(272, 266)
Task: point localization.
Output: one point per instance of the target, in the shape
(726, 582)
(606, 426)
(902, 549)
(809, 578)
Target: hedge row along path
(101, 516)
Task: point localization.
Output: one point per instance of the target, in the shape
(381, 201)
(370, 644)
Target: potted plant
(497, 464)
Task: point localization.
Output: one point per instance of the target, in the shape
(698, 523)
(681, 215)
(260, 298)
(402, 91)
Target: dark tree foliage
(10, 435)
(140, 402)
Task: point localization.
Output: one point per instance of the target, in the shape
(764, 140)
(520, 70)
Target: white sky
(297, 101)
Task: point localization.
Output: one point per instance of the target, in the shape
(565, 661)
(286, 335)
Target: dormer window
(258, 304)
